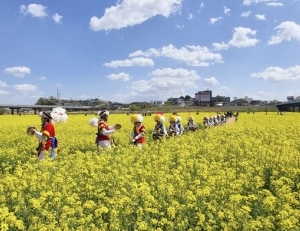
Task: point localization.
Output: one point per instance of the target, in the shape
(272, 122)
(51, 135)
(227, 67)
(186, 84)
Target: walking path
(230, 120)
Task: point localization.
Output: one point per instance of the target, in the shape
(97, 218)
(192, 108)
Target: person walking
(173, 128)
(159, 129)
(191, 126)
(46, 136)
(137, 135)
(104, 131)
(179, 125)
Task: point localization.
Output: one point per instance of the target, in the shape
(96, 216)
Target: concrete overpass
(39, 108)
(290, 106)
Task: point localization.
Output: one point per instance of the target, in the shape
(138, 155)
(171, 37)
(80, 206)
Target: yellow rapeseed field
(243, 176)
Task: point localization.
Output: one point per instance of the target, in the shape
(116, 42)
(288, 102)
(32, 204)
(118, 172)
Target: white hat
(159, 117)
(136, 118)
(178, 118)
(102, 113)
(45, 115)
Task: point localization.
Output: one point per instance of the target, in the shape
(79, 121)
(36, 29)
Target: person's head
(137, 124)
(190, 118)
(159, 118)
(103, 115)
(173, 119)
(45, 117)
(137, 119)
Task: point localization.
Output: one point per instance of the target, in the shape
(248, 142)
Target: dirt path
(230, 120)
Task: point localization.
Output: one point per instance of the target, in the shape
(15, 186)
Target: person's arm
(177, 129)
(105, 132)
(40, 136)
(112, 127)
(132, 135)
(165, 130)
(139, 136)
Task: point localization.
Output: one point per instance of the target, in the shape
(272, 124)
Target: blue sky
(148, 50)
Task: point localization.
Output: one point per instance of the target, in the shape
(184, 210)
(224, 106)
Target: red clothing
(48, 130)
(137, 131)
(102, 125)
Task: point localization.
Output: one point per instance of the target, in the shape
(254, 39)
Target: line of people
(138, 133)
(217, 120)
(49, 143)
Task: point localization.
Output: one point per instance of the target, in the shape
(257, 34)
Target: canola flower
(244, 176)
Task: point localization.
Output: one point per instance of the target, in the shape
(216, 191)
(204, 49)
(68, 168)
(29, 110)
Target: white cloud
(246, 14)
(224, 89)
(25, 87)
(214, 20)
(121, 76)
(201, 6)
(191, 16)
(220, 46)
(211, 81)
(166, 81)
(226, 10)
(274, 4)
(163, 84)
(140, 61)
(191, 55)
(57, 18)
(251, 2)
(286, 31)
(35, 10)
(2, 84)
(263, 95)
(18, 71)
(42, 78)
(133, 12)
(4, 93)
(241, 37)
(260, 17)
(179, 26)
(278, 74)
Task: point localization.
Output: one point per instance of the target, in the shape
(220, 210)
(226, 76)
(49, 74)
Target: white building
(158, 103)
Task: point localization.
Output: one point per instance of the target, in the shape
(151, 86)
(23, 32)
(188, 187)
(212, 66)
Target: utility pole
(58, 97)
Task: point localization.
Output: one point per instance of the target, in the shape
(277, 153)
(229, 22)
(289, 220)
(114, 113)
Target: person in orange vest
(137, 135)
(46, 136)
(103, 140)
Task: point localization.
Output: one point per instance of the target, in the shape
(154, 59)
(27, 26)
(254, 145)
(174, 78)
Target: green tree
(187, 97)
(134, 108)
(2, 111)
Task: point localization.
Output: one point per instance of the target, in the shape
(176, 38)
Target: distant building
(248, 99)
(158, 103)
(180, 102)
(203, 98)
(255, 102)
(220, 100)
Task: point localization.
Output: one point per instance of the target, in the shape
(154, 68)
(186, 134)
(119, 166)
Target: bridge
(39, 108)
(290, 106)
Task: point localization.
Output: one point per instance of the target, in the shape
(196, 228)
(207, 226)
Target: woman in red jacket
(46, 136)
(138, 134)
